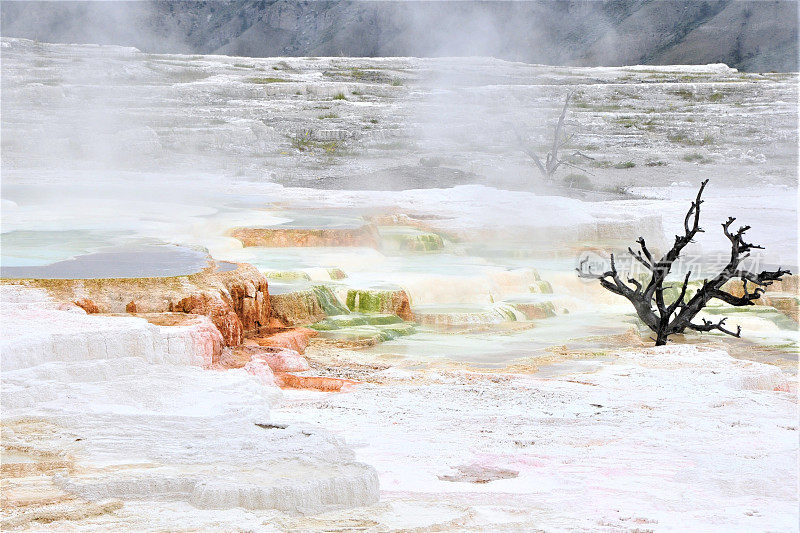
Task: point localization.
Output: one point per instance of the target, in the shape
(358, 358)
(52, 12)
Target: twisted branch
(676, 317)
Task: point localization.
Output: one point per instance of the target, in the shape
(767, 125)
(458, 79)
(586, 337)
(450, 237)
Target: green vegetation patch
(686, 94)
(369, 301)
(541, 287)
(264, 81)
(302, 141)
(287, 275)
(578, 181)
(682, 138)
(336, 273)
(379, 333)
(328, 301)
(625, 122)
(697, 158)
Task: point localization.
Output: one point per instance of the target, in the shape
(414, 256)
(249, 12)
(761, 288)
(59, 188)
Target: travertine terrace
(371, 318)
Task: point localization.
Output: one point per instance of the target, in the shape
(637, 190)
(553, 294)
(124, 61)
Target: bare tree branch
(552, 162)
(673, 318)
(638, 257)
(708, 325)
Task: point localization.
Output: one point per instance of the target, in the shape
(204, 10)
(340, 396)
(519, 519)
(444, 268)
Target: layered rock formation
(305, 305)
(444, 317)
(236, 301)
(121, 408)
(290, 237)
(392, 301)
(291, 338)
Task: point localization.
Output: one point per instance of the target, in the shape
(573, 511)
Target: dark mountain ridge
(753, 35)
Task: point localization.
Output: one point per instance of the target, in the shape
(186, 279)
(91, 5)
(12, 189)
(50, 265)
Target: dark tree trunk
(648, 300)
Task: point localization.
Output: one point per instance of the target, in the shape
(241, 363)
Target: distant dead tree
(551, 160)
(667, 319)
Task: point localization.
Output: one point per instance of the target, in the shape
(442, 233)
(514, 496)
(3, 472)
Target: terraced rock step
(236, 300)
(541, 287)
(392, 301)
(408, 239)
(307, 274)
(297, 304)
(292, 338)
(459, 316)
(362, 333)
(287, 275)
(130, 416)
(277, 358)
(293, 237)
(346, 321)
(320, 383)
(277, 366)
(532, 307)
(287, 485)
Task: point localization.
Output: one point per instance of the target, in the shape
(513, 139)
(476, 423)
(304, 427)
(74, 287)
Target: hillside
(749, 35)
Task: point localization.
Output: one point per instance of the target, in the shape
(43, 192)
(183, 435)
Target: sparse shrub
(328, 115)
(605, 108)
(357, 73)
(682, 138)
(331, 147)
(697, 158)
(716, 97)
(302, 141)
(373, 121)
(686, 94)
(625, 122)
(396, 82)
(264, 81)
(600, 163)
(625, 164)
(578, 181)
(656, 163)
(339, 96)
(431, 161)
(619, 188)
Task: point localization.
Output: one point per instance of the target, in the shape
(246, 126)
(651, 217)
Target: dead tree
(551, 160)
(667, 319)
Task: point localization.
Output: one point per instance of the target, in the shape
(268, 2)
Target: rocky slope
(748, 35)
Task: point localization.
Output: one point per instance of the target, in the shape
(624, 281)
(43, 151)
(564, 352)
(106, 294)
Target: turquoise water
(136, 261)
